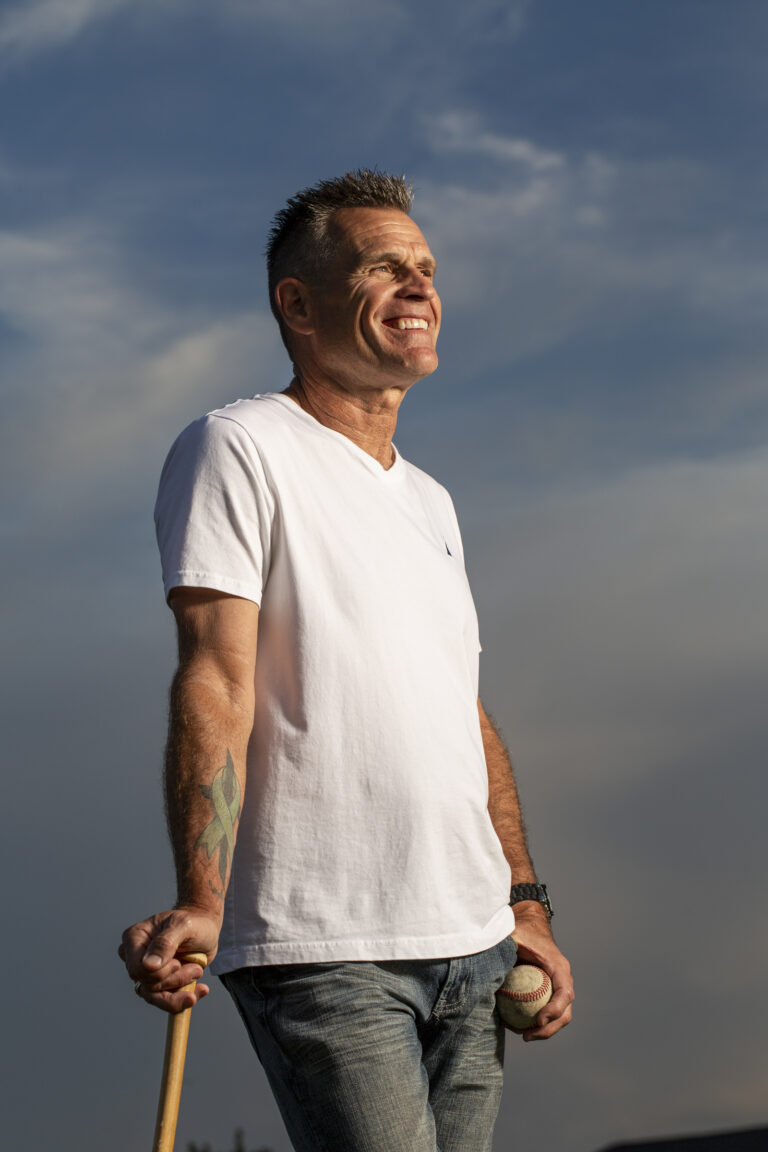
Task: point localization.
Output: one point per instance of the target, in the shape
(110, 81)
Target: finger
(176, 1001)
(545, 1028)
(561, 1000)
(173, 981)
(169, 938)
(558, 1007)
(134, 947)
(133, 943)
(545, 1033)
(188, 972)
(175, 998)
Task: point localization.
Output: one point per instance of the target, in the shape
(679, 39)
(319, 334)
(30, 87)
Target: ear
(294, 302)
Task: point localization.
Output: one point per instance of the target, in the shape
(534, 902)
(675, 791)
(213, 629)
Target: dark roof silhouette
(744, 1140)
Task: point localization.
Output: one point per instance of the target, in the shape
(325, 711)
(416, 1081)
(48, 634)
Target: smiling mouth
(407, 323)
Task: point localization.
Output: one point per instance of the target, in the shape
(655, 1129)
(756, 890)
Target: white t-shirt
(365, 833)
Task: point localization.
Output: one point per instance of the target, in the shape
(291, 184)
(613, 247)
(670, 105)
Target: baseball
(525, 991)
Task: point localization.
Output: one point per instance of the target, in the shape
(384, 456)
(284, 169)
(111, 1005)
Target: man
(367, 919)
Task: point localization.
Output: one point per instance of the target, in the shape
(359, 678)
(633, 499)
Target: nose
(415, 283)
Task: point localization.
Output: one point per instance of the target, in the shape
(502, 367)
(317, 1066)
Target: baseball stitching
(526, 997)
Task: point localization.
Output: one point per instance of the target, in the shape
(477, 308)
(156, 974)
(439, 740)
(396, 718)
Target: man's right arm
(211, 718)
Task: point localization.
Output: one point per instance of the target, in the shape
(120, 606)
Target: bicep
(487, 727)
(497, 756)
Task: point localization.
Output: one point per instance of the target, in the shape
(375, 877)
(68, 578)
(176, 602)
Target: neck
(368, 421)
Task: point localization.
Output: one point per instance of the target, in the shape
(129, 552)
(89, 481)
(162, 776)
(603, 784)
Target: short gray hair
(299, 243)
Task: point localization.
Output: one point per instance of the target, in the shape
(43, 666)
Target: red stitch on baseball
(527, 997)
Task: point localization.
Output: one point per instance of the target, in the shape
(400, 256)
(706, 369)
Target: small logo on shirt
(447, 548)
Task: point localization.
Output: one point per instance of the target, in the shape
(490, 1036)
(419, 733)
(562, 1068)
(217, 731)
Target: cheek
(368, 323)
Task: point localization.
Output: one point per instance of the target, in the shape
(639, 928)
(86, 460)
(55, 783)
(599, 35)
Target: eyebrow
(395, 257)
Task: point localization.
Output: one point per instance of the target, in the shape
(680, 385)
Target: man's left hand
(536, 945)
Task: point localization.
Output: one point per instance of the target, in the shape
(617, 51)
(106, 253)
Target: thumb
(166, 941)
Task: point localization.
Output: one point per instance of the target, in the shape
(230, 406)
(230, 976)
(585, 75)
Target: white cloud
(531, 259)
(239, 355)
(35, 26)
(55, 288)
(40, 24)
(497, 20)
(104, 373)
(560, 244)
(459, 131)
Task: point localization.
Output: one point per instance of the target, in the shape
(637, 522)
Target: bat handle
(173, 1067)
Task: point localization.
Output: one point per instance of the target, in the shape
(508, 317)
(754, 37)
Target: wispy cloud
(559, 242)
(459, 131)
(41, 25)
(103, 372)
(38, 25)
(28, 28)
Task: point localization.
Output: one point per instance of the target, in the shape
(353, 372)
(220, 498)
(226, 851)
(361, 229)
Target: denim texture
(388, 1056)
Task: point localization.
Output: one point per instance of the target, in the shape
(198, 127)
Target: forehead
(366, 231)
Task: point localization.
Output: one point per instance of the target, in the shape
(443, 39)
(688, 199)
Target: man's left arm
(532, 933)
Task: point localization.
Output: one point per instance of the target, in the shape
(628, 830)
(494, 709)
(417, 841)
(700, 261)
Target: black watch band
(537, 892)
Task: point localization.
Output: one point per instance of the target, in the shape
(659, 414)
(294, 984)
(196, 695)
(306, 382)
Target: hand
(536, 945)
(151, 949)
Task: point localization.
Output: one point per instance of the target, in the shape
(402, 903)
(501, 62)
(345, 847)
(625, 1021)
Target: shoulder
(232, 435)
(219, 457)
(236, 421)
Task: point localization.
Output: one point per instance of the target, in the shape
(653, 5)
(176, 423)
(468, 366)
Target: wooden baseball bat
(173, 1068)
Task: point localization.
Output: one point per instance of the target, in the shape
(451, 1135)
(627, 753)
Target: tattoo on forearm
(224, 795)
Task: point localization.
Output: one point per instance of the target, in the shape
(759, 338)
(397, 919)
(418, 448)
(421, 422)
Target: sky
(592, 178)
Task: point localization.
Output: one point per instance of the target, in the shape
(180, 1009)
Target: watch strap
(538, 892)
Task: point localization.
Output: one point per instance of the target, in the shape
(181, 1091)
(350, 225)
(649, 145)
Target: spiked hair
(299, 243)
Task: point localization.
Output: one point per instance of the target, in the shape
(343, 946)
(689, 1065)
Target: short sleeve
(214, 511)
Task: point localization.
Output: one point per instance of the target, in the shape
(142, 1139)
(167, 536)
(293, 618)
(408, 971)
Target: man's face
(377, 312)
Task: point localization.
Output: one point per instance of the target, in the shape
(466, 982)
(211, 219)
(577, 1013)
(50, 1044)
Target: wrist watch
(537, 892)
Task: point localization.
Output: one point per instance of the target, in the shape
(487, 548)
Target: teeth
(404, 322)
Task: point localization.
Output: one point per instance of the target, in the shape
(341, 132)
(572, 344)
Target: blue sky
(592, 180)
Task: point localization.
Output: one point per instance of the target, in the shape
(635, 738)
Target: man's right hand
(151, 951)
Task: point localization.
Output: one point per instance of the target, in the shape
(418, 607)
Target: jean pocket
(242, 987)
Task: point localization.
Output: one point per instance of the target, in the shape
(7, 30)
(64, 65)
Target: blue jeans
(388, 1056)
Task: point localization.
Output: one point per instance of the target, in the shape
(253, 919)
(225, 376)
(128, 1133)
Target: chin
(424, 365)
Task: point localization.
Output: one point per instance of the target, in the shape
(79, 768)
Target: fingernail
(153, 960)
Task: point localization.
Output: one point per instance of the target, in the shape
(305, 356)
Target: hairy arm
(211, 717)
(504, 803)
(533, 935)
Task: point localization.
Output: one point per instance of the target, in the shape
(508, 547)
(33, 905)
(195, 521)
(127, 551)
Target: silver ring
(137, 988)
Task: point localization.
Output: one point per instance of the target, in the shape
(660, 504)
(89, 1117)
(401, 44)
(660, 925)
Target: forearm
(211, 716)
(504, 803)
(532, 933)
(209, 728)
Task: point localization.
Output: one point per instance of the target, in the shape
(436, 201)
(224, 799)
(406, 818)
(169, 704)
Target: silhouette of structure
(743, 1140)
